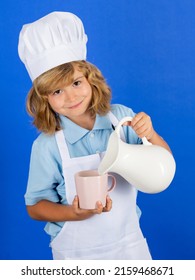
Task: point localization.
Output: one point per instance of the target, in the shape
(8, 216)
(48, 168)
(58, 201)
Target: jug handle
(126, 119)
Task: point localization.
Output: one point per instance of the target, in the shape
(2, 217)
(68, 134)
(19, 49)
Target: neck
(86, 122)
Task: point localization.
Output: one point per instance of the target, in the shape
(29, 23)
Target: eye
(76, 83)
(57, 92)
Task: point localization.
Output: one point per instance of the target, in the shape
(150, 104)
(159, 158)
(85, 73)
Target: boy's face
(72, 100)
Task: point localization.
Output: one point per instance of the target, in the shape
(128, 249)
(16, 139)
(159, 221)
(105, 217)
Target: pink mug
(92, 187)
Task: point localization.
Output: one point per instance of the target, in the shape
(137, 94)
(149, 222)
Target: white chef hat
(57, 38)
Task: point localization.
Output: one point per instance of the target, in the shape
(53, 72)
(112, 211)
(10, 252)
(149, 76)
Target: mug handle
(126, 119)
(113, 182)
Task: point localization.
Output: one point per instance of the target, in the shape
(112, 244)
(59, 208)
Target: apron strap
(62, 146)
(115, 121)
(61, 142)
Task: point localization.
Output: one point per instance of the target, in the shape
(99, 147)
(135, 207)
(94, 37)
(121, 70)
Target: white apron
(106, 236)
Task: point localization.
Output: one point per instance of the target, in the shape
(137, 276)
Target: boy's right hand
(83, 214)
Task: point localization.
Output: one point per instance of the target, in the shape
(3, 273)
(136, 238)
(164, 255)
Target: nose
(70, 95)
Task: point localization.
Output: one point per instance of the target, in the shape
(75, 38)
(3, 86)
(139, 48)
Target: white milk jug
(150, 168)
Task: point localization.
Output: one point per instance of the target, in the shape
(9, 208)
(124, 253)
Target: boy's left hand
(142, 125)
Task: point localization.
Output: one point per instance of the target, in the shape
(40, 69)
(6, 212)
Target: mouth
(75, 106)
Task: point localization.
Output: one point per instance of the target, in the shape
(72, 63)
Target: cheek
(52, 103)
(88, 91)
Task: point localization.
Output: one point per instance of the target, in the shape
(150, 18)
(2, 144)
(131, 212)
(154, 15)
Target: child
(70, 105)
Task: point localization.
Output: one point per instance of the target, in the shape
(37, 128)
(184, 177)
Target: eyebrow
(77, 78)
(59, 87)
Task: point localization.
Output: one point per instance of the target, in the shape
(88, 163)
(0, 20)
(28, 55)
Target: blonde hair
(44, 118)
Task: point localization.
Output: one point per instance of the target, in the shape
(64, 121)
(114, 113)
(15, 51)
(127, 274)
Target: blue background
(146, 51)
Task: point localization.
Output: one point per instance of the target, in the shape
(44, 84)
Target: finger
(140, 119)
(108, 206)
(137, 118)
(144, 124)
(141, 130)
(99, 208)
(75, 202)
(139, 125)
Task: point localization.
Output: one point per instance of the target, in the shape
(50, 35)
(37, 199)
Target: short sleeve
(45, 176)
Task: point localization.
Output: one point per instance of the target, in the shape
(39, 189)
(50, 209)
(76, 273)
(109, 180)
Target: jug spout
(110, 159)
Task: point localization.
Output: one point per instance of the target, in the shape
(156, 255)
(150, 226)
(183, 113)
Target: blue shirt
(46, 180)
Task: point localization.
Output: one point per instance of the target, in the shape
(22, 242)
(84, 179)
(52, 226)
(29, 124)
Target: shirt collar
(74, 132)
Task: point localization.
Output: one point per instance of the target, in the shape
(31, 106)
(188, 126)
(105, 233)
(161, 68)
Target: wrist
(151, 136)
